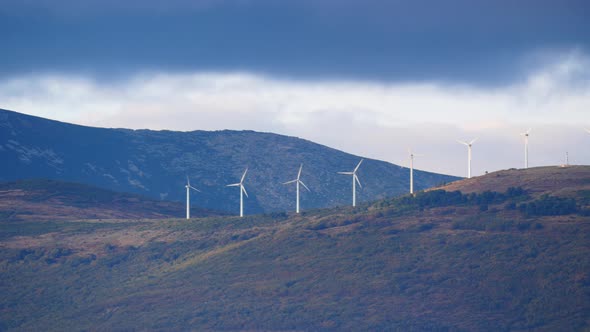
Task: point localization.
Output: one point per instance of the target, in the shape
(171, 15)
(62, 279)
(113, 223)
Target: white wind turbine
(188, 197)
(526, 147)
(411, 156)
(298, 181)
(242, 191)
(355, 180)
(468, 155)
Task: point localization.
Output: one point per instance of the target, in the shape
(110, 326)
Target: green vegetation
(545, 205)
(442, 268)
(439, 261)
(549, 206)
(442, 198)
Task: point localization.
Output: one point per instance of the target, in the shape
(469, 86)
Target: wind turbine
(298, 181)
(468, 155)
(355, 180)
(188, 197)
(242, 191)
(412, 155)
(526, 147)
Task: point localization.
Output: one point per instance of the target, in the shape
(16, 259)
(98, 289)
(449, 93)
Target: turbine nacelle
(526, 133)
(188, 199)
(468, 144)
(298, 182)
(355, 180)
(188, 185)
(191, 187)
(411, 154)
(526, 147)
(468, 154)
(242, 190)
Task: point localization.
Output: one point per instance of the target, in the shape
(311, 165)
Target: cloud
(475, 41)
(374, 119)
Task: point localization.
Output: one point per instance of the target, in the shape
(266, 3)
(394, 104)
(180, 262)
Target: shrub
(510, 206)
(549, 206)
(440, 198)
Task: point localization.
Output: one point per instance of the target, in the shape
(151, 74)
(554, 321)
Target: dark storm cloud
(481, 42)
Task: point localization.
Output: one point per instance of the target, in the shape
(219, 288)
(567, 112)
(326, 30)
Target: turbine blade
(292, 181)
(193, 188)
(464, 143)
(346, 173)
(357, 166)
(473, 141)
(299, 174)
(357, 180)
(244, 176)
(244, 189)
(188, 182)
(233, 185)
(529, 131)
(303, 184)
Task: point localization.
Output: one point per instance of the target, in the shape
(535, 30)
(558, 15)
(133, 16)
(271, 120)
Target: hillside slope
(435, 262)
(156, 163)
(561, 181)
(39, 200)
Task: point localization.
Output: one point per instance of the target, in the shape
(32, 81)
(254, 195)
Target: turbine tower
(188, 197)
(242, 191)
(298, 181)
(355, 180)
(526, 147)
(468, 155)
(412, 155)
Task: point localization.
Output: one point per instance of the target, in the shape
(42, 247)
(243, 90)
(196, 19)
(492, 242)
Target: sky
(373, 78)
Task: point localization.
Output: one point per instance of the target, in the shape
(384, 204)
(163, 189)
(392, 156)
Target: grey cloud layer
(480, 42)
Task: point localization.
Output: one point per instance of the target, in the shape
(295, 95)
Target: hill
(440, 261)
(38, 200)
(156, 163)
(562, 181)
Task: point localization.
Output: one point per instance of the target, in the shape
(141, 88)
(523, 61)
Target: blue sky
(398, 73)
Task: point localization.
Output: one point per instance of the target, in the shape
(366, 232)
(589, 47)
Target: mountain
(468, 259)
(39, 199)
(156, 163)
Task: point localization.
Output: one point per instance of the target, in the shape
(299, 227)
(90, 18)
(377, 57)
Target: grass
(365, 273)
(437, 262)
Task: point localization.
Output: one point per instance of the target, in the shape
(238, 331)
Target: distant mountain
(511, 253)
(38, 199)
(155, 164)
